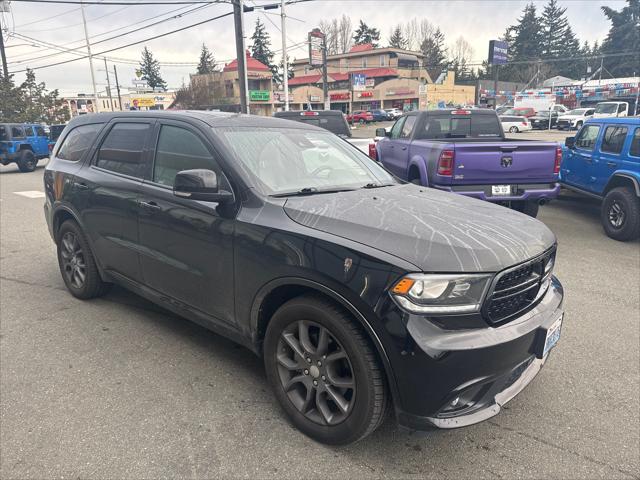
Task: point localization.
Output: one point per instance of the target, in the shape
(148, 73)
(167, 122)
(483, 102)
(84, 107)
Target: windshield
(4, 133)
(606, 108)
(577, 111)
(289, 160)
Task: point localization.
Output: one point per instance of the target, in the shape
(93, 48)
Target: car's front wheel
(513, 129)
(77, 265)
(324, 371)
(621, 214)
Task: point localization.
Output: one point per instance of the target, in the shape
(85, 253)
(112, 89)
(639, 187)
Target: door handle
(82, 186)
(612, 164)
(149, 205)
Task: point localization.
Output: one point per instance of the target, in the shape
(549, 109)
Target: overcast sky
(478, 21)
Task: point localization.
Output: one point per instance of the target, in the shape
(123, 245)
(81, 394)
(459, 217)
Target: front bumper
(524, 192)
(483, 368)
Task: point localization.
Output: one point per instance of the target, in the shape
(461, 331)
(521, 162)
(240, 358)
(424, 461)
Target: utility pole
(496, 73)
(325, 81)
(240, 52)
(4, 57)
(115, 74)
(93, 77)
(285, 62)
(106, 70)
(601, 68)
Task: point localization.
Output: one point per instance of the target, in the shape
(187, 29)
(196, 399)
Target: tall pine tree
(527, 35)
(435, 53)
(397, 40)
(261, 49)
(150, 69)
(207, 63)
(365, 34)
(623, 36)
(558, 40)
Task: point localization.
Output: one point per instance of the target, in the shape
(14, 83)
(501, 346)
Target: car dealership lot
(118, 387)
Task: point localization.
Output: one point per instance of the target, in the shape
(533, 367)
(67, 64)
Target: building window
(382, 60)
(364, 62)
(228, 88)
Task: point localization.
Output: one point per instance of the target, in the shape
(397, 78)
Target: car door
(387, 146)
(41, 141)
(106, 193)
(186, 245)
(577, 161)
(608, 159)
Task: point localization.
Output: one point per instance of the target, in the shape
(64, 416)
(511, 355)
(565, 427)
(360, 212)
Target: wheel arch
(61, 215)
(275, 293)
(417, 166)
(622, 179)
(25, 146)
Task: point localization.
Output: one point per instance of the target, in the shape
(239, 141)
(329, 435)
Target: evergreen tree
(558, 39)
(623, 36)
(435, 53)
(527, 35)
(397, 40)
(30, 102)
(261, 49)
(150, 69)
(365, 34)
(207, 63)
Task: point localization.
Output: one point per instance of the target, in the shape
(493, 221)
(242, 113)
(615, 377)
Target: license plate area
(500, 190)
(549, 337)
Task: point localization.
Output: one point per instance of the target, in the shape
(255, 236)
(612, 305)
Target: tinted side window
(121, 151)
(77, 142)
(40, 131)
(408, 126)
(4, 133)
(178, 149)
(17, 132)
(28, 131)
(635, 144)
(586, 139)
(397, 127)
(621, 108)
(613, 139)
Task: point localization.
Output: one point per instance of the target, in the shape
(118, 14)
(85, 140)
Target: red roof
(305, 79)
(369, 72)
(361, 48)
(252, 64)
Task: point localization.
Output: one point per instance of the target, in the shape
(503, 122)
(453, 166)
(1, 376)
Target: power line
(129, 44)
(133, 4)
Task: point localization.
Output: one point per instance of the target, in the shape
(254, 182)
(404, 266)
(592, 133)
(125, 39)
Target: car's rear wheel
(514, 129)
(77, 265)
(324, 371)
(621, 214)
(27, 161)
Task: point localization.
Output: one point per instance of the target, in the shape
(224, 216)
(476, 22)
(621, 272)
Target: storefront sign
(316, 44)
(402, 91)
(314, 98)
(259, 95)
(370, 82)
(359, 81)
(498, 52)
(143, 102)
(365, 95)
(339, 96)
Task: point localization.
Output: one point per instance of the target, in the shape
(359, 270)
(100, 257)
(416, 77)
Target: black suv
(361, 293)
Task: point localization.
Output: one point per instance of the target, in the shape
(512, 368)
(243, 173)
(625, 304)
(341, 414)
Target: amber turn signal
(403, 286)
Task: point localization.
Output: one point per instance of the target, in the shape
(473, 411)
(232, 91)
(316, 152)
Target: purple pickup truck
(466, 152)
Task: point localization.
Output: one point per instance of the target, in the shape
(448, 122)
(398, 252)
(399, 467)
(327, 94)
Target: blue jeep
(603, 160)
(23, 144)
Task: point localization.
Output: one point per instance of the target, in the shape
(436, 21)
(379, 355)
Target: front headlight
(441, 294)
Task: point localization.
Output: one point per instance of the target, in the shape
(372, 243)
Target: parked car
(603, 160)
(515, 124)
(466, 152)
(574, 118)
(611, 109)
(540, 121)
(290, 242)
(394, 113)
(23, 144)
(520, 112)
(360, 116)
(380, 115)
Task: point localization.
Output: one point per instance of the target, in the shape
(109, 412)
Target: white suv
(394, 112)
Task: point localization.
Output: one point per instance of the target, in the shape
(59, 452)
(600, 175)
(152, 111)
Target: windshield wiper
(376, 185)
(310, 191)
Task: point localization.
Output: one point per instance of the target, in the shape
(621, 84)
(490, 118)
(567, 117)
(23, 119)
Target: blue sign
(498, 52)
(358, 80)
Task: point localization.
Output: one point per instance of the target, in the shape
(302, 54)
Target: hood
(436, 231)
(570, 117)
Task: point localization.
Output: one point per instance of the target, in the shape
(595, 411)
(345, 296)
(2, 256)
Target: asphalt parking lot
(119, 388)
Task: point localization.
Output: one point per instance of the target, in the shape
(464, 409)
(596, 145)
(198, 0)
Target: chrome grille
(517, 289)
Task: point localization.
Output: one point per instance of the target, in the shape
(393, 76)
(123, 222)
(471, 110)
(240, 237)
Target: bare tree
(338, 34)
(410, 33)
(330, 30)
(345, 34)
(461, 54)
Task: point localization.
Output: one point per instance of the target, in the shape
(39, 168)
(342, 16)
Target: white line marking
(31, 194)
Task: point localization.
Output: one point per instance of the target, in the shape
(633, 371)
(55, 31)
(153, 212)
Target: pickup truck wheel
(513, 129)
(621, 214)
(77, 265)
(27, 161)
(528, 208)
(324, 371)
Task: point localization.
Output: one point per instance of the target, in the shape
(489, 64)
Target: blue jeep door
(41, 141)
(577, 162)
(608, 159)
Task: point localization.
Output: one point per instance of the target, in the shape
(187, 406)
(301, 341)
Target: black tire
(366, 401)
(620, 214)
(27, 161)
(88, 284)
(514, 129)
(528, 208)
(415, 181)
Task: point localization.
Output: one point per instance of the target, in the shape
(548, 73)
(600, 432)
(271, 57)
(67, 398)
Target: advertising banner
(359, 81)
(498, 52)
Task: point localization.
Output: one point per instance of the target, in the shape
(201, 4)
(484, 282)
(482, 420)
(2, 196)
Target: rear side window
(635, 144)
(17, 132)
(4, 133)
(77, 142)
(28, 131)
(179, 149)
(587, 137)
(121, 151)
(613, 139)
(40, 131)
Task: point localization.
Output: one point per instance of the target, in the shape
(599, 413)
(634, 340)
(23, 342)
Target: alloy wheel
(616, 215)
(315, 373)
(73, 260)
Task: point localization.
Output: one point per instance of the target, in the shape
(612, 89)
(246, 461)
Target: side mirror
(570, 142)
(381, 132)
(200, 184)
